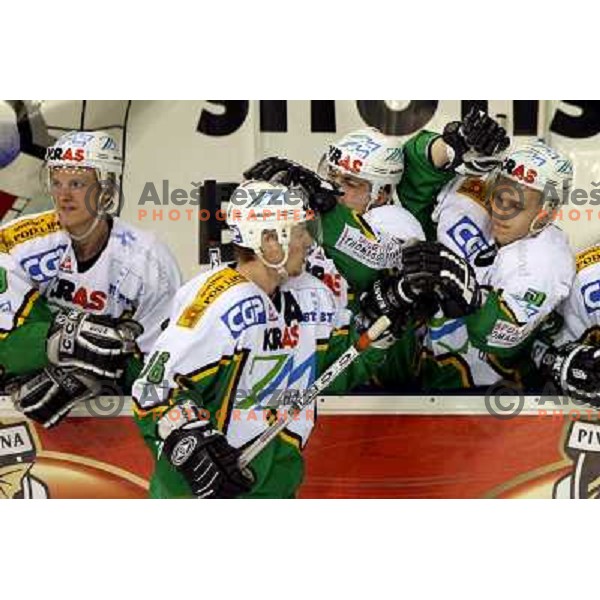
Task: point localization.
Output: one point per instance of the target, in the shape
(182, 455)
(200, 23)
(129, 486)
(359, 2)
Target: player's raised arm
(475, 145)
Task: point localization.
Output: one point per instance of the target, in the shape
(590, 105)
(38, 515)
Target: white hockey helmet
(538, 166)
(367, 154)
(89, 149)
(259, 206)
(96, 150)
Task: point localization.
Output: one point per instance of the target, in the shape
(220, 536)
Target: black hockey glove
(99, 345)
(202, 455)
(387, 298)
(322, 194)
(48, 396)
(575, 369)
(477, 139)
(431, 268)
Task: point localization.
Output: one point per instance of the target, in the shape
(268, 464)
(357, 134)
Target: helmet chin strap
(369, 205)
(542, 219)
(374, 196)
(538, 225)
(279, 267)
(83, 236)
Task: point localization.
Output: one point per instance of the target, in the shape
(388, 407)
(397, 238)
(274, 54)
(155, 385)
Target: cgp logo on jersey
(43, 266)
(245, 314)
(468, 237)
(591, 296)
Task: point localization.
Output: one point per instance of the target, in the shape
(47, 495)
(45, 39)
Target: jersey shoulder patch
(213, 287)
(588, 257)
(130, 239)
(28, 228)
(475, 189)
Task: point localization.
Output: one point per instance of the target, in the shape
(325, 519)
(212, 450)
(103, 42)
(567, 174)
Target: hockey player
(238, 337)
(473, 146)
(387, 194)
(362, 231)
(365, 229)
(78, 288)
(500, 259)
(571, 358)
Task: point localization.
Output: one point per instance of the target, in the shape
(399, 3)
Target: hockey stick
(338, 367)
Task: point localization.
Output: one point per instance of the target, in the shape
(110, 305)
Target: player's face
(357, 192)
(300, 242)
(11, 478)
(75, 194)
(513, 209)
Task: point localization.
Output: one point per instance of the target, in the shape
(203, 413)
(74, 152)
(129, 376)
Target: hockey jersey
(234, 350)
(581, 310)
(523, 282)
(134, 274)
(356, 248)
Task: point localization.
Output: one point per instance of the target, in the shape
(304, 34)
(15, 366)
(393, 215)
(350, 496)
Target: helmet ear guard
(109, 192)
(550, 202)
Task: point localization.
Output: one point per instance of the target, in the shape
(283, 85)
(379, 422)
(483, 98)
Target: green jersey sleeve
(492, 315)
(25, 320)
(421, 181)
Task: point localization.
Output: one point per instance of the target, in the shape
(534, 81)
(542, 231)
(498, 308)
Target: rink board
(361, 447)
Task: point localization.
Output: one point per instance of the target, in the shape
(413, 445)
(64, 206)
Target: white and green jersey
(234, 351)
(581, 310)
(523, 282)
(356, 248)
(134, 274)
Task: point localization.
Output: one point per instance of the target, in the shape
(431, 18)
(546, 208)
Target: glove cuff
(179, 416)
(455, 145)
(562, 365)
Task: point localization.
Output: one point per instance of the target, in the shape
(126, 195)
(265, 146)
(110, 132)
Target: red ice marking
(6, 203)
